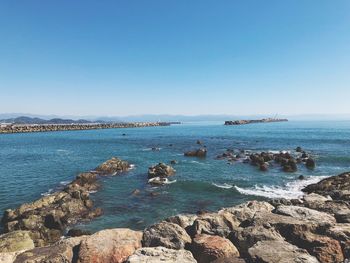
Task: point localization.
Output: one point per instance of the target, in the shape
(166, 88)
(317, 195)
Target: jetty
(25, 128)
(243, 122)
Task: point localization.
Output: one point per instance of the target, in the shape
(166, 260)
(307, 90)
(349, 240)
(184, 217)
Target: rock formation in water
(314, 228)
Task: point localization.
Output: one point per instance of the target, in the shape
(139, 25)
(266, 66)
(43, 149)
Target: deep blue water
(33, 163)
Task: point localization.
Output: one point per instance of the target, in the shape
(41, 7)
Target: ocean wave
(49, 192)
(290, 190)
(224, 185)
(64, 182)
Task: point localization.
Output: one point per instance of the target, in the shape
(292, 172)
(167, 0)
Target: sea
(36, 164)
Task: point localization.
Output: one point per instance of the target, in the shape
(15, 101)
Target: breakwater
(242, 122)
(20, 128)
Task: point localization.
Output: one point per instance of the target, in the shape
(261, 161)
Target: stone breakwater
(242, 122)
(20, 128)
(314, 228)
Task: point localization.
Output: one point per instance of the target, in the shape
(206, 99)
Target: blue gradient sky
(175, 57)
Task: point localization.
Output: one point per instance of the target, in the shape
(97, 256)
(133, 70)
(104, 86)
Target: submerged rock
(310, 163)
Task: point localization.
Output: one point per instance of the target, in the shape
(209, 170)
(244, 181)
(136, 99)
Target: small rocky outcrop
(338, 187)
(207, 248)
(160, 170)
(167, 235)
(201, 153)
(161, 254)
(47, 218)
(113, 166)
(111, 245)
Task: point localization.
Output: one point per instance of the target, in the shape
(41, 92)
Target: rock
(279, 252)
(206, 248)
(111, 245)
(160, 170)
(78, 232)
(113, 166)
(341, 232)
(165, 234)
(183, 220)
(264, 167)
(301, 177)
(247, 210)
(324, 248)
(161, 254)
(16, 241)
(136, 192)
(310, 163)
(173, 162)
(8, 257)
(244, 238)
(331, 186)
(62, 251)
(304, 213)
(299, 149)
(199, 142)
(342, 216)
(312, 198)
(197, 153)
(220, 224)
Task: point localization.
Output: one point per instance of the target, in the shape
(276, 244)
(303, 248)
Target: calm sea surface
(34, 164)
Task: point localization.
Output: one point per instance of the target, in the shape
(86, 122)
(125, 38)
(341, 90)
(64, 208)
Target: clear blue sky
(177, 57)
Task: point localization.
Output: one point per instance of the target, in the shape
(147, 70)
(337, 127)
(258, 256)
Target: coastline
(26, 128)
(312, 228)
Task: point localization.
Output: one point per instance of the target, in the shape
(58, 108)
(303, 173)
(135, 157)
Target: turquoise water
(34, 163)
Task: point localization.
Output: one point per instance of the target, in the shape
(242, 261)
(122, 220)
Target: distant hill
(34, 120)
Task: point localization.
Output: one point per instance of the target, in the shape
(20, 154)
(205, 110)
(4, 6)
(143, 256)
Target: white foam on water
(64, 182)
(290, 190)
(49, 192)
(132, 166)
(224, 185)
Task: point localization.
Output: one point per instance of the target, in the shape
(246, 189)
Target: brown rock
(113, 166)
(111, 245)
(206, 248)
(160, 170)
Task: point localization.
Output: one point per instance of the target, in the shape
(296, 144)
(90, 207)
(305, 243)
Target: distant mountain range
(35, 120)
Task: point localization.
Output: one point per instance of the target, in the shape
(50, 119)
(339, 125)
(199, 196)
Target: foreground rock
(207, 248)
(165, 234)
(47, 218)
(16, 241)
(279, 252)
(62, 251)
(111, 245)
(160, 170)
(161, 254)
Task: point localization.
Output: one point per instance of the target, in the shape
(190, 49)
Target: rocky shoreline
(24, 128)
(243, 122)
(314, 228)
